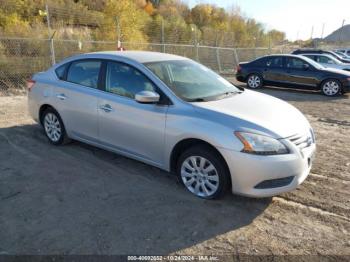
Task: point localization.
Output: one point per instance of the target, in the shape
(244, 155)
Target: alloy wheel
(330, 88)
(200, 176)
(254, 81)
(52, 127)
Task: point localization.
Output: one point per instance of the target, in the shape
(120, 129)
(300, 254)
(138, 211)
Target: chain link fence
(20, 58)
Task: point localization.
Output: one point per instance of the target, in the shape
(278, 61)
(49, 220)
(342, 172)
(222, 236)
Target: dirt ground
(77, 199)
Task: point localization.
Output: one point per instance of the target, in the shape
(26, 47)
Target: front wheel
(254, 81)
(331, 87)
(203, 172)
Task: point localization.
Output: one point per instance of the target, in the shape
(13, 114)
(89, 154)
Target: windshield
(191, 81)
(336, 61)
(335, 55)
(340, 54)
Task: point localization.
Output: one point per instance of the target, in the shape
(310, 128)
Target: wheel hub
(52, 127)
(200, 176)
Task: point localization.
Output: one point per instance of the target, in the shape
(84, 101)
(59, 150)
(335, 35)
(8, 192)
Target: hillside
(138, 21)
(335, 36)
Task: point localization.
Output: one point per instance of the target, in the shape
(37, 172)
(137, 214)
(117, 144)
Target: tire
(203, 172)
(254, 81)
(54, 128)
(331, 87)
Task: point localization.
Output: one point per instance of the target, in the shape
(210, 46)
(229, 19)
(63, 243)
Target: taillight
(239, 68)
(30, 84)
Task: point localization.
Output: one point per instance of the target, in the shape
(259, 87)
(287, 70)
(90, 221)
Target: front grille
(273, 183)
(302, 141)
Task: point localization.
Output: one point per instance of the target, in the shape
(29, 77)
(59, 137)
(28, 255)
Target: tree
(130, 18)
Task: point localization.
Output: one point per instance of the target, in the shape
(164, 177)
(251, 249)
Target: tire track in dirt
(312, 208)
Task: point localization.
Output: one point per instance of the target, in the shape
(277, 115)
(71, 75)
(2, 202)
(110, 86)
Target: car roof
(309, 50)
(285, 55)
(322, 54)
(139, 56)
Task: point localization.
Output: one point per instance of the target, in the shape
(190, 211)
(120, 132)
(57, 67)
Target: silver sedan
(175, 114)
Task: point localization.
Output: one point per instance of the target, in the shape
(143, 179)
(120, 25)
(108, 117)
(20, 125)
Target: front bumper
(249, 171)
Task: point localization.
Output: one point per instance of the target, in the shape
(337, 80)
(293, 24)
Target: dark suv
(319, 51)
(293, 71)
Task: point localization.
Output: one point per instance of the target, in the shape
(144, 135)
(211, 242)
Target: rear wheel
(254, 81)
(331, 87)
(203, 172)
(54, 128)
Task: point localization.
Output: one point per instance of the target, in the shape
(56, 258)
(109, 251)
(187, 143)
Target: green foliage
(130, 19)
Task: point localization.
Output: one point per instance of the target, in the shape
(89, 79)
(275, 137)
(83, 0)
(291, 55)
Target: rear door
(273, 70)
(76, 98)
(298, 75)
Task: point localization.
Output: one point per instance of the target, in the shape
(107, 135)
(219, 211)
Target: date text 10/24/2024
(173, 258)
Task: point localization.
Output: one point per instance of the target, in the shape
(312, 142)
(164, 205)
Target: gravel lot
(77, 199)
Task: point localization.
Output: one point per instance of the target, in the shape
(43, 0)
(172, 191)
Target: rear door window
(312, 57)
(274, 62)
(259, 62)
(84, 72)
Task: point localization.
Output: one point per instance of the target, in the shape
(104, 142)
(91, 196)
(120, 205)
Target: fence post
(236, 56)
(218, 59)
(52, 46)
(162, 36)
(197, 52)
(119, 43)
(195, 43)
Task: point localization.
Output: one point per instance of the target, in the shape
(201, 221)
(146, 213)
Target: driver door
(125, 125)
(300, 73)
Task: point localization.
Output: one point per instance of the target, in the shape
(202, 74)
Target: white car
(328, 61)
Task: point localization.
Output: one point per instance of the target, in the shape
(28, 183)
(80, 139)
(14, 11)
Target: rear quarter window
(60, 71)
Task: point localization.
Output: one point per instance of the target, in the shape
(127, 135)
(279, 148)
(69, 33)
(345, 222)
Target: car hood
(256, 112)
(337, 71)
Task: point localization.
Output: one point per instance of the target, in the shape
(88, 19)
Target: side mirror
(147, 97)
(306, 67)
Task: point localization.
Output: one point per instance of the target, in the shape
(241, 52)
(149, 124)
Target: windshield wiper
(225, 95)
(199, 99)
(215, 97)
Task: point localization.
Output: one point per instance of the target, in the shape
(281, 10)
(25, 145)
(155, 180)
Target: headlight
(261, 145)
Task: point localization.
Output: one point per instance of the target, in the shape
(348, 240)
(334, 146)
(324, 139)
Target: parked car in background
(345, 51)
(342, 54)
(328, 61)
(178, 115)
(319, 51)
(293, 71)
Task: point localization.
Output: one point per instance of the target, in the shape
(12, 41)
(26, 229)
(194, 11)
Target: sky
(294, 17)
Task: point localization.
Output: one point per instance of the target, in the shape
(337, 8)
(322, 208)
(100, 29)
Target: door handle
(61, 96)
(107, 108)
